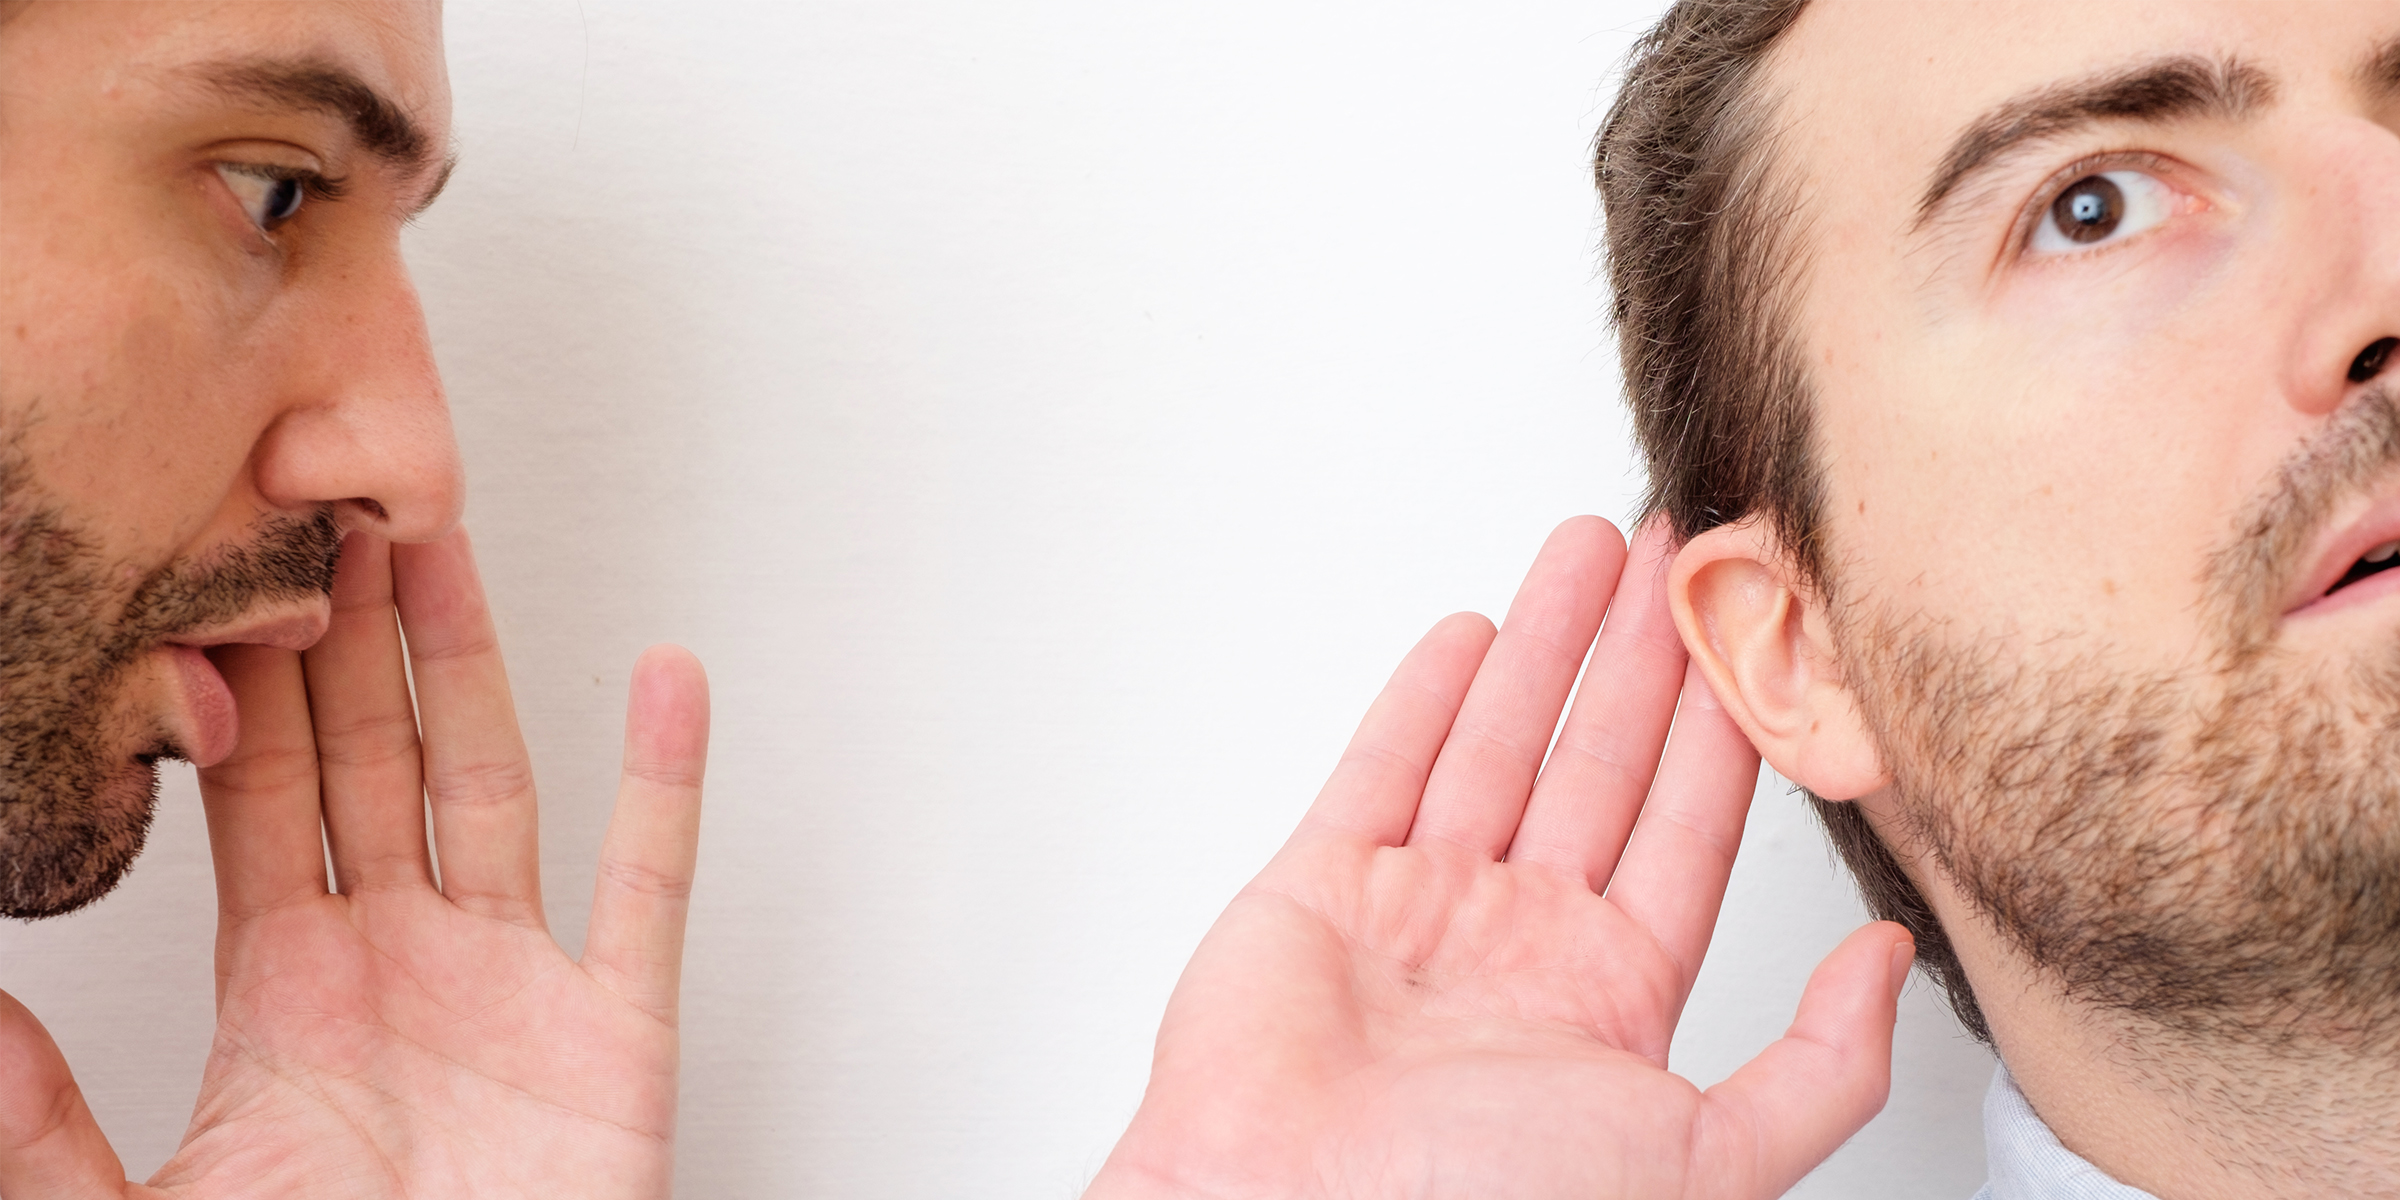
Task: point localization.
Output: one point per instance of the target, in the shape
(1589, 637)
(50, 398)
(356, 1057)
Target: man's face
(2086, 288)
(211, 366)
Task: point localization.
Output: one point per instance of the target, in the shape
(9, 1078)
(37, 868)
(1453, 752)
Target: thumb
(1791, 1107)
(50, 1148)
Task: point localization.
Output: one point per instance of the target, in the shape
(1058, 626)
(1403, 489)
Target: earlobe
(1761, 640)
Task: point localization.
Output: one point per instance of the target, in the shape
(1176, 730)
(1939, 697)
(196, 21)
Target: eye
(2099, 208)
(269, 196)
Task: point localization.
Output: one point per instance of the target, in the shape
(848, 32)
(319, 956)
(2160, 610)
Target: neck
(2189, 1117)
(2220, 1114)
(2224, 1109)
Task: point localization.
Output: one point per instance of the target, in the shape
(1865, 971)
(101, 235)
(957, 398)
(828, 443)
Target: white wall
(1050, 421)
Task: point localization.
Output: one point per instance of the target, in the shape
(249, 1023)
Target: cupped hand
(1461, 974)
(381, 1033)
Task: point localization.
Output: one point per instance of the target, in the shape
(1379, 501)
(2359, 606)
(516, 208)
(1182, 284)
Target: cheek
(2147, 312)
(142, 423)
(2066, 475)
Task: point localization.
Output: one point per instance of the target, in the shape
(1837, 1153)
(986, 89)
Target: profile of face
(2095, 303)
(212, 367)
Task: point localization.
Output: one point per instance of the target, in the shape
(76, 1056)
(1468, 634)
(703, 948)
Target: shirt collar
(2026, 1160)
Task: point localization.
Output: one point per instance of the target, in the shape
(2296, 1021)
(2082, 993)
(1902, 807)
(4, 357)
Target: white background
(1050, 422)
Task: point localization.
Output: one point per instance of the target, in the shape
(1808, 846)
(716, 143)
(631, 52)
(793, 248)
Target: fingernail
(1902, 956)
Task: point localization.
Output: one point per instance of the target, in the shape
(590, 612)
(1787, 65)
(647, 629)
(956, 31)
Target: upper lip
(2346, 544)
(286, 624)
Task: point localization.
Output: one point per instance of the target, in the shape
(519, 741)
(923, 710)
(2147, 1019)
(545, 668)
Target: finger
(478, 777)
(1672, 878)
(1591, 789)
(374, 795)
(1478, 787)
(1789, 1108)
(266, 833)
(1374, 790)
(50, 1147)
(635, 946)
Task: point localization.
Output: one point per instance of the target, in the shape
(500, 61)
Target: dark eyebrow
(379, 125)
(2160, 90)
(2381, 74)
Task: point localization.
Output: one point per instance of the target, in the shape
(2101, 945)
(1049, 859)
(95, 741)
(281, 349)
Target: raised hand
(1461, 974)
(384, 1036)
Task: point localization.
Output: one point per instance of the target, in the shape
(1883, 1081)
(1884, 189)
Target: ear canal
(2371, 360)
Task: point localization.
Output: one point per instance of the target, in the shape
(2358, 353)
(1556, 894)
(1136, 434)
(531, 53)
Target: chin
(66, 848)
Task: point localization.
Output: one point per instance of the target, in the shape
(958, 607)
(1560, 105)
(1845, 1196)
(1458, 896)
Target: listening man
(214, 378)
(2014, 382)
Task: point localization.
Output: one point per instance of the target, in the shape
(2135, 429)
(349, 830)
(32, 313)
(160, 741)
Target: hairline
(1773, 287)
(1725, 404)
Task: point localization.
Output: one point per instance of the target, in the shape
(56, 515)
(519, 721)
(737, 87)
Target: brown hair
(1702, 255)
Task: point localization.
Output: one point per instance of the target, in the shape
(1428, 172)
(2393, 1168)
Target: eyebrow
(2381, 73)
(378, 124)
(2156, 91)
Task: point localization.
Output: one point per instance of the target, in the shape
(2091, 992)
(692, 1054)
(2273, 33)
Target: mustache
(2245, 578)
(286, 557)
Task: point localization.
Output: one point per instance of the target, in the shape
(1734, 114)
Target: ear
(1764, 644)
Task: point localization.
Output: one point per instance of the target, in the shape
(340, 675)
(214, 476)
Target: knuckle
(368, 755)
(444, 645)
(643, 880)
(680, 776)
(1607, 758)
(481, 783)
(377, 732)
(265, 769)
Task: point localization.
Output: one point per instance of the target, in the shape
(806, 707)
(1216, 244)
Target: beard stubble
(2213, 845)
(75, 803)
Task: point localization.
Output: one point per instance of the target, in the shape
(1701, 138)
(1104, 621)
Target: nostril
(375, 508)
(2371, 360)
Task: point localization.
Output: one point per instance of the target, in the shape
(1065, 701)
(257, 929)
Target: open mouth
(2374, 562)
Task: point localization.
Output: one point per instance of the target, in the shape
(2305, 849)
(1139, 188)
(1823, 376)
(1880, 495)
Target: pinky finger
(1791, 1107)
(635, 946)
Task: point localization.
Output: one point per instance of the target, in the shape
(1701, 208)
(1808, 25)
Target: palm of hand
(1439, 1014)
(395, 1044)
(1462, 974)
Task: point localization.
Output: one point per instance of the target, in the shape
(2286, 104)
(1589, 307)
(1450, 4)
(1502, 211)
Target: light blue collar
(2026, 1160)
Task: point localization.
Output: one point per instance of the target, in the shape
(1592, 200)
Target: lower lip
(211, 722)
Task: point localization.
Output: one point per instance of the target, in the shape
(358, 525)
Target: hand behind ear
(1461, 975)
(1765, 645)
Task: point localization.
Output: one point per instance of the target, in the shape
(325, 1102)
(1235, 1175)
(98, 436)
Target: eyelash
(2021, 239)
(314, 185)
(317, 185)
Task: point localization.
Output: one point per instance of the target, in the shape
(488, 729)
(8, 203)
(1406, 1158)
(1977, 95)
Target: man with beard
(227, 486)
(2014, 379)
(214, 387)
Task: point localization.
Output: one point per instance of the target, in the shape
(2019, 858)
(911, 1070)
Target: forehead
(393, 46)
(1887, 88)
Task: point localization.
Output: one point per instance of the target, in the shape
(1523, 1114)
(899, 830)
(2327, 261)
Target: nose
(366, 427)
(2350, 261)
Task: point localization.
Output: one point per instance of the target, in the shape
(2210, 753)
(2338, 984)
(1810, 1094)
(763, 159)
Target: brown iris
(2089, 210)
